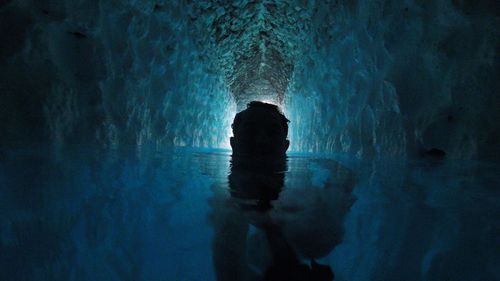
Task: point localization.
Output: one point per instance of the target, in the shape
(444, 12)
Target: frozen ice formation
(370, 78)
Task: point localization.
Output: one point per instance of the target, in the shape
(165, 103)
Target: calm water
(87, 214)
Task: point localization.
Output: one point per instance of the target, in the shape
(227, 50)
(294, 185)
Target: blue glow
(118, 214)
(115, 120)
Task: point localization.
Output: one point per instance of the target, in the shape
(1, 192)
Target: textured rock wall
(107, 72)
(398, 78)
(371, 78)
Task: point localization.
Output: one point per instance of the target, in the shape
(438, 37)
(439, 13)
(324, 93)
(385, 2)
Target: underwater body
(115, 124)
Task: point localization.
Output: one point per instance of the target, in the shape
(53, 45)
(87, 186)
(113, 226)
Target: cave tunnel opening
(367, 79)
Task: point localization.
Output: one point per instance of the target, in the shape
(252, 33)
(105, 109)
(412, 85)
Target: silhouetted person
(261, 130)
(259, 153)
(256, 180)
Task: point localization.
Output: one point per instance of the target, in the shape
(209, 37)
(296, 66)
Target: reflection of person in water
(282, 236)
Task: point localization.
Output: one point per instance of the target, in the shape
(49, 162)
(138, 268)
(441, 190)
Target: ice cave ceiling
(369, 78)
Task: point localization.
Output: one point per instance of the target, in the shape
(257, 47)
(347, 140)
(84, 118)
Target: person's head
(260, 130)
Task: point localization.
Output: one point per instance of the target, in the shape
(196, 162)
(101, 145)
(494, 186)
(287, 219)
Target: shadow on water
(266, 230)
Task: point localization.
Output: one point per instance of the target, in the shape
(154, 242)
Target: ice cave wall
(107, 72)
(399, 78)
(370, 78)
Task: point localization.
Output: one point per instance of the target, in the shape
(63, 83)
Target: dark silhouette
(435, 153)
(78, 34)
(257, 178)
(261, 130)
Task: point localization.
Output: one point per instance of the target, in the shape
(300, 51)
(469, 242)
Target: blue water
(89, 214)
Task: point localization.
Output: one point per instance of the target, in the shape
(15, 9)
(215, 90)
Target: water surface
(89, 214)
